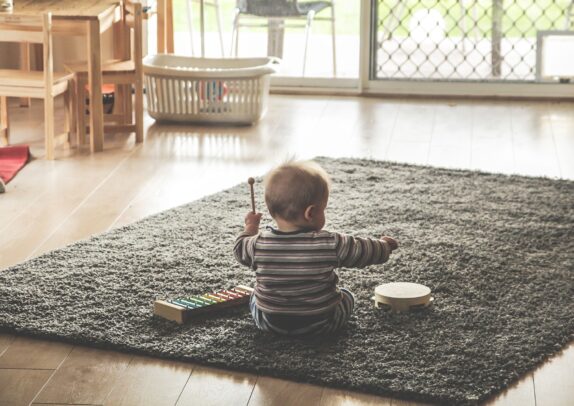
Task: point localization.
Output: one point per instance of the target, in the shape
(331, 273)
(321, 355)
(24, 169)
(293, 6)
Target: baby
(296, 290)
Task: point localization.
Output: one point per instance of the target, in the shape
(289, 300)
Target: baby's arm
(357, 252)
(392, 242)
(245, 242)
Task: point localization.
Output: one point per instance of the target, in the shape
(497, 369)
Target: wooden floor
(51, 204)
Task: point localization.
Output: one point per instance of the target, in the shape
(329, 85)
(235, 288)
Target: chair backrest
(17, 28)
(35, 30)
(268, 8)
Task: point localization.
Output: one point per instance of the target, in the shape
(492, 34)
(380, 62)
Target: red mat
(12, 159)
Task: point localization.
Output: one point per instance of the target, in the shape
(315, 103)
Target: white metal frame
(540, 37)
(366, 85)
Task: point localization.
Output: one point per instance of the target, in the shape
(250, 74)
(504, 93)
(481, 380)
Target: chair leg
(4, 122)
(49, 127)
(310, 16)
(219, 26)
(128, 105)
(190, 25)
(67, 116)
(235, 34)
(80, 112)
(139, 112)
(71, 109)
(333, 36)
(120, 103)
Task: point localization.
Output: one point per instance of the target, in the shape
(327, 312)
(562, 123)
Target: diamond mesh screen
(493, 40)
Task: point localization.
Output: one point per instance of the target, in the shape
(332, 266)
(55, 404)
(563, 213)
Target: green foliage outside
(522, 18)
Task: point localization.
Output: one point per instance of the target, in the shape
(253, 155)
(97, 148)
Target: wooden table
(87, 18)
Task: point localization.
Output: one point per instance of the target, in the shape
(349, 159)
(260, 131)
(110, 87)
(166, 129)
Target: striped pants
(333, 322)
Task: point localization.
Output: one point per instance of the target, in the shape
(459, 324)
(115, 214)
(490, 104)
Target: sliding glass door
(445, 47)
(504, 46)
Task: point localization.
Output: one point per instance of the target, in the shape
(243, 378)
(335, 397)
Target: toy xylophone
(182, 309)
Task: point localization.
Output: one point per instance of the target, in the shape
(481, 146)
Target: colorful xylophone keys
(181, 310)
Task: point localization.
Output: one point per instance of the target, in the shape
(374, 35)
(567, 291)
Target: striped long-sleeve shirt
(295, 271)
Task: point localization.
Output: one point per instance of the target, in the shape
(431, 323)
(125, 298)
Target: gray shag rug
(496, 250)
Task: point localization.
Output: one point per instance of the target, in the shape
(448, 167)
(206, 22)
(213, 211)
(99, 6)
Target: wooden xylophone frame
(182, 310)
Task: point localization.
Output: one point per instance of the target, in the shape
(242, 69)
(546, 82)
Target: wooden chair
(125, 74)
(45, 85)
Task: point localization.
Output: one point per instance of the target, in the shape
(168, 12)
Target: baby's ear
(309, 212)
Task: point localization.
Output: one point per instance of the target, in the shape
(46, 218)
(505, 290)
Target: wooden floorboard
(51, 204)
(31, 353)
(19, 386)
(273, 391)
(211, 386)
(554, 382)
(149, 381)
(107, 198)
(5, 341)
(521, 393)
(338, 397)
(87, 376)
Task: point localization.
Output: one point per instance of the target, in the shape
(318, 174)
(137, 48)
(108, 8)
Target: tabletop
(66, 9)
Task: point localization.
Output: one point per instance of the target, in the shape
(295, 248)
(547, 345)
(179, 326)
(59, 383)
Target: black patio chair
(276, 12)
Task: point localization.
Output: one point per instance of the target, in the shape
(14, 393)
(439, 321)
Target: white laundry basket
(186, 89)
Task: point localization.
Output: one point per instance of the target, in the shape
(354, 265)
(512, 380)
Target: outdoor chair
(215, 5)
(276, 12)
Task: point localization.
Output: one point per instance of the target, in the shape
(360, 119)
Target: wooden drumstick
(251, 181)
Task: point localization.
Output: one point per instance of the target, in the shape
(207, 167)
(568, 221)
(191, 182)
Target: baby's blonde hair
(293, 186)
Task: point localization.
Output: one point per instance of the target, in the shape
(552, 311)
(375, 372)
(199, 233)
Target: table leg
(164, 26)
(169, 26)
(95, 85)
(161, 26)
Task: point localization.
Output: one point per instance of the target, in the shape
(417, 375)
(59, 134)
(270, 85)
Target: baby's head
(296, 193)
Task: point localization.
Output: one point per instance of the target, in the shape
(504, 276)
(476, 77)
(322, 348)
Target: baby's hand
(252, 222)
(391, 241)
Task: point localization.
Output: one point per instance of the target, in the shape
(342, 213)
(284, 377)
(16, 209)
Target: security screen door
(468, 40)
